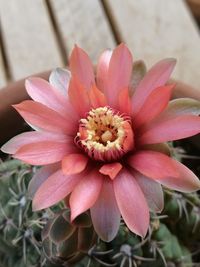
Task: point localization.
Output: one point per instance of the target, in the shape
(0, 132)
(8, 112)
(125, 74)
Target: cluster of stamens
(102, 134)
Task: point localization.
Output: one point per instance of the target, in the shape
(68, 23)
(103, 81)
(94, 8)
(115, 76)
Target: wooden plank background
(164, 29)
(83, 23)
(38, 35)
(28, 36)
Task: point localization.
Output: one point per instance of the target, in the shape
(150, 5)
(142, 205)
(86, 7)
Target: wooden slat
(158, 28)
(29, 39)
(83, 23)
(2, 72)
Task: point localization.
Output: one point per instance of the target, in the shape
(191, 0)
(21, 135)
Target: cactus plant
(48, 238)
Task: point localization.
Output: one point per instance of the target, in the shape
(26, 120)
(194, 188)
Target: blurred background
(39, 35)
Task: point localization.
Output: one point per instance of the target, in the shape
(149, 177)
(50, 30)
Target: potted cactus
(111, 167)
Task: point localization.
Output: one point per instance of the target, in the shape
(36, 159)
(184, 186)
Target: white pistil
(106, 136)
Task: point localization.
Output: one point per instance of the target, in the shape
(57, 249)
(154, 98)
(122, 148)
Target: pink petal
(46, 152)
(177, 108)
(102, 70)
(153, 164)
(105, 213)
(40, 176)
(97, 98)
(157, 76)
(111, 169)
(124, 101)
(42, 92)
(54, 189)
(152, 191)
(160, 168)
(131, 203)
(85, 194)
(43, 117)
(59, 79)
(119, 73)
(48, 95)
(20, 140)
(81, 67)
(78, 97)
(155, 103)
(186, 182)
(170, 129)
(74, 163)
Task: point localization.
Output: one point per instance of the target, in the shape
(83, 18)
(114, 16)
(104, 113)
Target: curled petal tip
(196, 184)
(123, 45)
(76, 46)
(35, 206)
(142, 233)
(170, 61)
(111, 169)
(15, 106)
(174, 60)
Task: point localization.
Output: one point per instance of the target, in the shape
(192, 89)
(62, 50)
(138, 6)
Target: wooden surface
(39, 35)
(83, 23)
(164, 29)
(28, 36)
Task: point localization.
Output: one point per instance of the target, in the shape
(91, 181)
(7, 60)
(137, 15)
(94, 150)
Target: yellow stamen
(103, 130)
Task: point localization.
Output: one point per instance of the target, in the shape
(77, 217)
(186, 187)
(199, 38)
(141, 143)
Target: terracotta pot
(11, 123)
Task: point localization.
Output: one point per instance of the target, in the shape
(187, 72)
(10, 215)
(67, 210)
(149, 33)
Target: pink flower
(103, 146)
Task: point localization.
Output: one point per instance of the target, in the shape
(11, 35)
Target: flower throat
(104, 135)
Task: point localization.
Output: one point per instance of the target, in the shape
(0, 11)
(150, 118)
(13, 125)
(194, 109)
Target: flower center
(104, 135)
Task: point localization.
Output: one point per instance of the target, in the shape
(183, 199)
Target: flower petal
(157, 76)
(40, 176)
(155, 103)
(97, 98)
(78, 97)
(59, 79)
(43, 117)
(102, 70)
(160, 168)
(152, 191)
(186, 182)
(105, 213)
(177, 108)
(160, 147)
(153, 164)
(54, 189)
(170, 129)
(20, 140)
(119, 73)
(81, 67)
(46, 152)
(131, 203)
(74, 163)
(111, 169)
(42, 92)
(138, 72)
(85, 194)
(124, 101)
